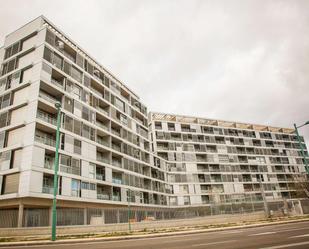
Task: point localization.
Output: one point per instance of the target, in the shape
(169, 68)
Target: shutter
(11, 183)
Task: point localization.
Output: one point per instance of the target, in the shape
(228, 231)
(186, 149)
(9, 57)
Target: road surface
(292, 235)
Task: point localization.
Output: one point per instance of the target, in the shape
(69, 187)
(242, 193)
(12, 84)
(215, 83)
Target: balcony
(100, 140)
(48, 189)
(116, 147)
(115, 132)
(46, 117)
(101, 125)
(102, 159)
(102, 196)
(46, 140)
(57, 83)
(100, 109)
(116, 163)
(116, 198)
(70, 170)
(48, 97)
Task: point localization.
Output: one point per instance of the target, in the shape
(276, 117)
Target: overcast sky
(234, 60)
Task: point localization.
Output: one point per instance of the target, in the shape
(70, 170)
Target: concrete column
(50, 212)
(85, 216)
(20, 214)
(118, 216)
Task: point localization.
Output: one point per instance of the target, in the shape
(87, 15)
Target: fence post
(20, 214)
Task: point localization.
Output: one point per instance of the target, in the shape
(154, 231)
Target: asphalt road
(293, 235)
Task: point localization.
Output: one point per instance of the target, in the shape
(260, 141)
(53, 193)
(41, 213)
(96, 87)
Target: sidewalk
(143, 234)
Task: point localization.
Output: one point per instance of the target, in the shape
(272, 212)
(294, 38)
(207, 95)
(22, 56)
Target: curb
(143, 236)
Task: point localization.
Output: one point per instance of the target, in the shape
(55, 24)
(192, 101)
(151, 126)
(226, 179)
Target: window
(4, 120)
(76, 74)
(75, 188)
(2, 139)
(11, 50)
(68, 104)
(86, 131)
(119, 104)
(67, 68)
(92, 170)
(77, 127)
(50, 38)
(86, 81)
(85, 113)
(77, 91)
(77, 146)
(6, 100)
(158, 125)
(68, 123)
(57, 61)
(48, 55)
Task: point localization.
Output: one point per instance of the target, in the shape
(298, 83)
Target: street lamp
(56, 165)
(301, 146)
(129, 209)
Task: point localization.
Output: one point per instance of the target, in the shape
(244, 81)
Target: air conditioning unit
(60, 44)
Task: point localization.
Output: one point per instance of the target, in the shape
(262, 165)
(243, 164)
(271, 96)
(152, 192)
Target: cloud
(236, 60)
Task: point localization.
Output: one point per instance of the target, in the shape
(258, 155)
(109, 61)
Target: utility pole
(56, 165)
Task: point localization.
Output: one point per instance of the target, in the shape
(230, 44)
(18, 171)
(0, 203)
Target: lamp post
(56, 165)
(301, 146)
(129, 209)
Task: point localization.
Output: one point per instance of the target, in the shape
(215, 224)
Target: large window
(76, 74)
(68, 104)
(77, 146)
(75, 188)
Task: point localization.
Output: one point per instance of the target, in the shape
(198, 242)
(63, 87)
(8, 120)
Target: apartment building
(220, 162)
(111, 152)
(104, 144)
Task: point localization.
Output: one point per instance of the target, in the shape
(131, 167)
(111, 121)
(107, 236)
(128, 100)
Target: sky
(245, 61)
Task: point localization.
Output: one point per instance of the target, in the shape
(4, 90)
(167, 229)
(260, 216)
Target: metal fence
(40, 217)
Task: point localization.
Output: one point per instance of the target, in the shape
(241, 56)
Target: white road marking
(236, 231)
(300, 236)
(214, 243)
(287, 245)
(259, 234)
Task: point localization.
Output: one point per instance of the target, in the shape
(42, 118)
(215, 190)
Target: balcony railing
(116, 163)
(103, 196)
(103, 142)
(48, 97)
(117, 181)
(103, 126)
(46, 140)
(100, 177)
(57, 83)
(116, 147)
(70, 170)
(102, 110)
(46, 117)
(48, 189)
(116, 198)
(103, 159)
